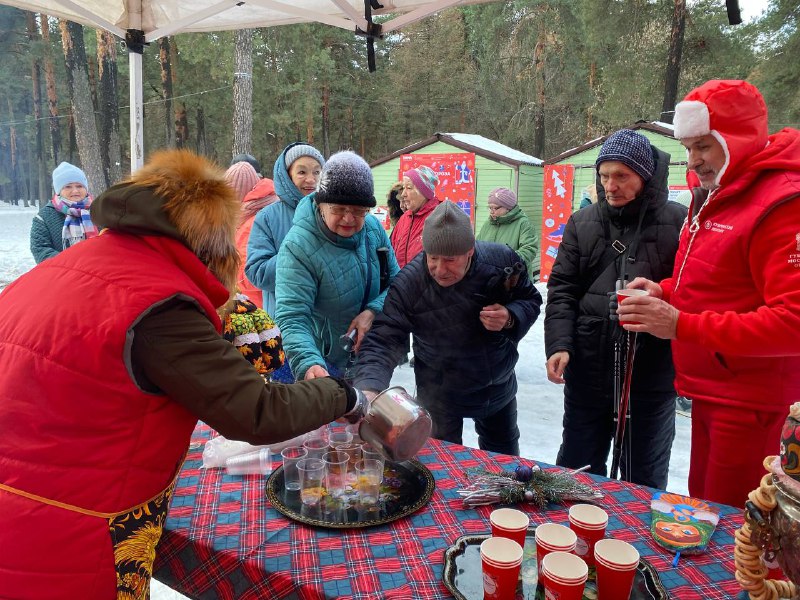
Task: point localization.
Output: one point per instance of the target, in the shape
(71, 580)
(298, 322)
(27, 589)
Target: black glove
(612, 306)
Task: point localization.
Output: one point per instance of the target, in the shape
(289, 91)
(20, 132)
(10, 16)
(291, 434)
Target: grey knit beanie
(631, 149)
(346, 179)
(447, 231)
(292, 153)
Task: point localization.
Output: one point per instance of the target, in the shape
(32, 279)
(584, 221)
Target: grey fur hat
(346, 179)
(447, 231)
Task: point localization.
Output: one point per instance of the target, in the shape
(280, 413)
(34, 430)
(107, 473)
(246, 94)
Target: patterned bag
(254, 334)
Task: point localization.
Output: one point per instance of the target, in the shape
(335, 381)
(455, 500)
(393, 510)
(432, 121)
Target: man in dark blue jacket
(468, 305)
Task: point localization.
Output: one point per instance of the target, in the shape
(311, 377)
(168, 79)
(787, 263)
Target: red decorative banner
(556, 210)
(456, 174)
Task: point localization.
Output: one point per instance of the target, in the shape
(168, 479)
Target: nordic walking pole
(623, 408)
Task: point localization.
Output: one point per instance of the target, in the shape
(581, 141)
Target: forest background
(541, 76)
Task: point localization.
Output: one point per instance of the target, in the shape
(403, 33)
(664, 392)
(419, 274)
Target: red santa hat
(734, 112)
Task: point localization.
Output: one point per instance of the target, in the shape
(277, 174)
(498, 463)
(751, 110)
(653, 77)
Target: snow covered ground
(540, 402)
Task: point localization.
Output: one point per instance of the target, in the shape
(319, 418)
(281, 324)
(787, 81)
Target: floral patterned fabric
(255, 335)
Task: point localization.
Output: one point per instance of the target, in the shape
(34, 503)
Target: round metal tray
(407, 486)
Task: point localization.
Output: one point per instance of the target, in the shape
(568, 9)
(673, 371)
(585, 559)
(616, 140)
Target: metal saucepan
(396, 425)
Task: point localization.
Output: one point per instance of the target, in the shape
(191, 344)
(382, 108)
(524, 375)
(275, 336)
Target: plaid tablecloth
(223, 539)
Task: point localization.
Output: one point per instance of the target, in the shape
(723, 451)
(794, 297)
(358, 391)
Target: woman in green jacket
(508, 225)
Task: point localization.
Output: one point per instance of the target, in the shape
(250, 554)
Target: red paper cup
(622, 294)
(552, 537)
(616, 567)
(564, 576)
(589, 524)
(501, 560)
(510, 523)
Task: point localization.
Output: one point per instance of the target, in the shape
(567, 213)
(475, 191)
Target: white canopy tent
(142, 21)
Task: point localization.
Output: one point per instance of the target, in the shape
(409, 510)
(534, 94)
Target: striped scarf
(78, 224)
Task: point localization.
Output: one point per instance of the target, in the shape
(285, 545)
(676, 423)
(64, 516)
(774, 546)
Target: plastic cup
(589, 524)
(312, 480)
(368, 482)
(552, 537)
(564, 576)
(335, 472)
(339, 438)
(316, 447)
(616, 567)
(510, 523)
(368, 452)
(258, 462)
(501, 560)
(320, 432)
(291, 477)
(622, 294)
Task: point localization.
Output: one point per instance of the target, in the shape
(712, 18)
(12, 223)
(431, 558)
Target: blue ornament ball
(523, 473)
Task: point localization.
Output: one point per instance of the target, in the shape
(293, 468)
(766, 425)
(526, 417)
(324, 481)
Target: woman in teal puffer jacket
(333, 269)
(508, 225)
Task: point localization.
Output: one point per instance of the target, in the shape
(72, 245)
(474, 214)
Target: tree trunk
(109, 106)
(36, 84)
(326, 141)
(538, 117)
(201, 145)
(243, 92)
(82, 108)
(674, 61)
(589, 115)
(166, 89)
(50, 85)
(18, 187)
(181, 126)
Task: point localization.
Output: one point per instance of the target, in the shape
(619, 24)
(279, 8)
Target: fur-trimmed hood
(183, 196)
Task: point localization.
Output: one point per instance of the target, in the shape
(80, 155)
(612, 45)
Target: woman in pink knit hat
(419, 194)
(242, 177)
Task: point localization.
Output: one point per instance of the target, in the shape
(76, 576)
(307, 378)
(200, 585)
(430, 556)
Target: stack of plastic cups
(589, 524)
(552, 537)
(616, 567)
(258, 462)
(564, 576)
(510, 523)
(501, 560)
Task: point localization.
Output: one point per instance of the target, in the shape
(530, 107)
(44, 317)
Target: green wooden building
(583, 157)
(496, 165)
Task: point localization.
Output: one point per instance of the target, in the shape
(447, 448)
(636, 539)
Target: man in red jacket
(732, 306)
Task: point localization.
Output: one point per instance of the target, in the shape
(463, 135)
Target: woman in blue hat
(65, 220)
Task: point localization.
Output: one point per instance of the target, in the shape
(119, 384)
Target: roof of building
(469, 142)
(666, 129)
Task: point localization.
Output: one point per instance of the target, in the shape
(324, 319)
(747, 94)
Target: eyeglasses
(340, 211)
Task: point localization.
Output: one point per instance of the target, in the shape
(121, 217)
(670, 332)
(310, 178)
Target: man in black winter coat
(468, 304)
(632, 230)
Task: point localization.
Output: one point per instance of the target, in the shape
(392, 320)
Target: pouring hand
(359, 411)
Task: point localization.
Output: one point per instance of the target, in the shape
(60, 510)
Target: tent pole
(135, 42)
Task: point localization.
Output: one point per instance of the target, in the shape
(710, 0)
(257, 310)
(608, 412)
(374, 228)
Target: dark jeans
(589, 432)
(497, 432)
